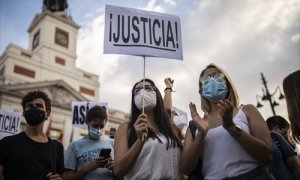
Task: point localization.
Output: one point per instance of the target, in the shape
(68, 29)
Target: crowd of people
(230, 141)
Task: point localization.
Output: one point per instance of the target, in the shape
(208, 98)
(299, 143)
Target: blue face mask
(95, 133)
(214, 90)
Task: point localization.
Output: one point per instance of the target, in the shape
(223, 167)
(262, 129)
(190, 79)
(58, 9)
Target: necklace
(215, 120)
(219, 118)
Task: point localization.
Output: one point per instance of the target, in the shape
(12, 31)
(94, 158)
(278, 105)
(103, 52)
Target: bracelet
(169, 89)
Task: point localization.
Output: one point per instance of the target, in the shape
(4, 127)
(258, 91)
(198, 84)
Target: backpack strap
(197, 172)
(193, 128)
(275, 138)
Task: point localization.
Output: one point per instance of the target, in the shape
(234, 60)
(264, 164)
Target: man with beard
(31, 154)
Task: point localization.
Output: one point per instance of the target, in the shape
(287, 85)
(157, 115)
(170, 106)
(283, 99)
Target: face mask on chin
(149, 100)
(214, 90)
(34, 116)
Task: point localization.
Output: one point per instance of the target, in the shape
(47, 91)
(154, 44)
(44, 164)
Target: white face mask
(179, 118)
(180, 121)
(149, 100)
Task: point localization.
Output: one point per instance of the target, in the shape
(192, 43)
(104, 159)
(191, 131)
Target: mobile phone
(105, 153)
(112, 133)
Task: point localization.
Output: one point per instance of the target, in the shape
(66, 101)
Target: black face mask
(34, 116)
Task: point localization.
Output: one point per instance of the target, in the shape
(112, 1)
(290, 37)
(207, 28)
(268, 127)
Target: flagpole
(143, 109)
(71, 137)
(144, 135)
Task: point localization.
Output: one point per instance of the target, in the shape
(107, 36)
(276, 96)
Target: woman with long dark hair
(147, 146)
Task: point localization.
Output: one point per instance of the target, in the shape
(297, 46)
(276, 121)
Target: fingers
(52, 176)
(193, 110)
(99, 162)
(141, 120)
(225, 103)
(141, 127)
(224, 107)
(169, 82)
(226, 112)
(48, 176)
(141, 123)
(205, 116)
(109, 164)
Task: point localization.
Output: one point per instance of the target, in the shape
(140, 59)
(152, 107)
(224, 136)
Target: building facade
(49, 64)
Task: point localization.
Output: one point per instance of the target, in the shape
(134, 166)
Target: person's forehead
(210, 71)
(37, 101)
(140, 84)
(98, 121)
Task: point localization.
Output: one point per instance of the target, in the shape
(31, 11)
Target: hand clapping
(226, 112)
(201, 123)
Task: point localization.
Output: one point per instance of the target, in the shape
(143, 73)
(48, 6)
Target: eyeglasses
(217, 76)
(148, 88)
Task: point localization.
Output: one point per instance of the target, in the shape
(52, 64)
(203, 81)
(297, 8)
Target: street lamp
(267, 96)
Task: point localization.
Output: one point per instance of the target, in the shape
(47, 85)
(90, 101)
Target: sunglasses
(148, 88)
(216, 76)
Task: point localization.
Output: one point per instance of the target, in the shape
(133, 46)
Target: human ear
(200, 91)
(47, 114)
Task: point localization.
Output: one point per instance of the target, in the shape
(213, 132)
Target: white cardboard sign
(10, 123)
(79, 110)
(142, 33)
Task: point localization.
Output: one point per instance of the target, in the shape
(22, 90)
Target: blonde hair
(232, 95)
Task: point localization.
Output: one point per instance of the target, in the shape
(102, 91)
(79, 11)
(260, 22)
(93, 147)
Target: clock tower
(51, 53)
(54, 29)
(49, 64)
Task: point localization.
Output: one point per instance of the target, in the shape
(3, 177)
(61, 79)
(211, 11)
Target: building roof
(61, 16)
(60, 93)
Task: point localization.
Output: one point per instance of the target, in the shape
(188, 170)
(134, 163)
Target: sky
(246, 38)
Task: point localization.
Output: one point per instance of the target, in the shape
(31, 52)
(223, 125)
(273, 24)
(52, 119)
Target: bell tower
(53, 34)
(52, 45)
(55, 5)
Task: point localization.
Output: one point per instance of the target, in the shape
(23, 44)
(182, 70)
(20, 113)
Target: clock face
(61, 37)
(36, 39)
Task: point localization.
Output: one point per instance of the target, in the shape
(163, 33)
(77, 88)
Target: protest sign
(79, 110)
(142, 33)
(9, 123)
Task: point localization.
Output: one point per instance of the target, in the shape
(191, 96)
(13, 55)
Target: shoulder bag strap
(193, 128)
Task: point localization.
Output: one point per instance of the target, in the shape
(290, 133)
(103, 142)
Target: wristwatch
(235, 131)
